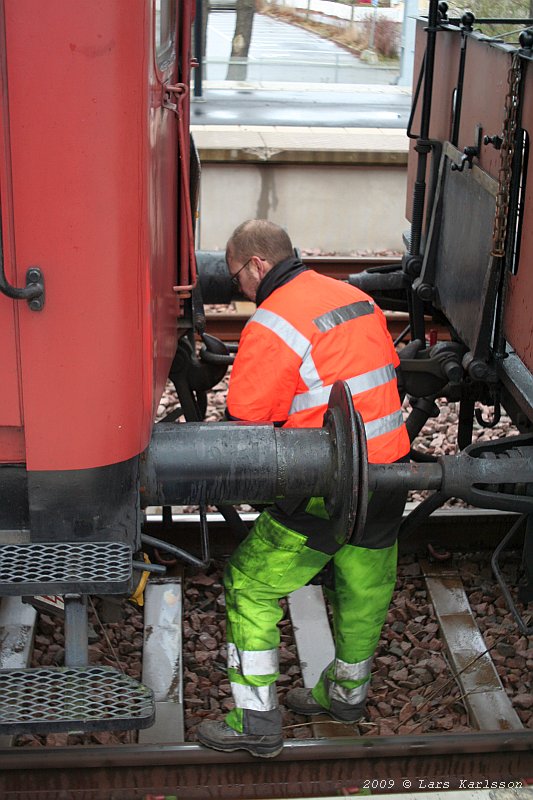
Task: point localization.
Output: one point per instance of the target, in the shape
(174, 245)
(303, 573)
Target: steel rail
(313, 769)
(342, 266)
(228, 326)
(445, 527)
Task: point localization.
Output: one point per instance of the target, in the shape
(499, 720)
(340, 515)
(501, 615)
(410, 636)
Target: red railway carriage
(468, 260)
(90, 159)
(483, 108)
(97, 267)
(486, 66)
(474, 108)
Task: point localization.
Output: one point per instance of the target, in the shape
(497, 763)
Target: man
(308, 331)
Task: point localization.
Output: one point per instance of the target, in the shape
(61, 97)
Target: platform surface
(301, 145)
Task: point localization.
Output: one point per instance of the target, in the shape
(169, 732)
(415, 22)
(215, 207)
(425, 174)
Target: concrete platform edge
(277, 145)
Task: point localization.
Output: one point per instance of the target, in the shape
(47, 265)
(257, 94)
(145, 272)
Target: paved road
(295, 78)
(334, 109)
(283, 52)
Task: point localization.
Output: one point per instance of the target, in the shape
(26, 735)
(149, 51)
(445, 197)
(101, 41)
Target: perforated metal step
(65, 567)
(60, 699)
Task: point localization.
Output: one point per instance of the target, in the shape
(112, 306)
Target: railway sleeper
(485, 698)
(470, 661)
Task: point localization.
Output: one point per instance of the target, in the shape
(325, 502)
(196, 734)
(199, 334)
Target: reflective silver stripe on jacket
(253, 662)
(377, 427)
(255, 698)
(337, 316)
(293, 339)
(357, 384)
(344, 671)
(308, 371)
(287, 332)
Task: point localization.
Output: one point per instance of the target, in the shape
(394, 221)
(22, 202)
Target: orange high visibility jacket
(307, 334)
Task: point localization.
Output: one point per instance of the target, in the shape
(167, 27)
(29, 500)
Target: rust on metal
(519, 305)
(482, 690)
(304, 769)
(228, 326)
(342, 266)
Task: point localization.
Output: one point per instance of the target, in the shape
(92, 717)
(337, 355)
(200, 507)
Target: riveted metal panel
(519, 307)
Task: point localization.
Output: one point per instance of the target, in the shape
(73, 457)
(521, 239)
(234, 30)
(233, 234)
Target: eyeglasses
(235, 278)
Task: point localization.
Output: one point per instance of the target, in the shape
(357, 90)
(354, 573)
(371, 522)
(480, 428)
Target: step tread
(65, 567)
(61, 699)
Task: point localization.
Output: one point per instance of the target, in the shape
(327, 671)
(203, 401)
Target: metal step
(65, 567)
(62, 699)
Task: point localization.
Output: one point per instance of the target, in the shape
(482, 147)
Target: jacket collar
(280, 274)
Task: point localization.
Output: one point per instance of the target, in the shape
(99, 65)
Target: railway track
(228, 325)
(311, 769)
(327, 764)
(342, 266)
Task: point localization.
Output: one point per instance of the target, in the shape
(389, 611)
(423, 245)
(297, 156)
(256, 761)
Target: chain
(499, 231)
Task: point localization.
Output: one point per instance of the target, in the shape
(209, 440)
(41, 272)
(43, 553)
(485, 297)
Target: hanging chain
(512, 99)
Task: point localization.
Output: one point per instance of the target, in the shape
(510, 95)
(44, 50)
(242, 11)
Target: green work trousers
(272, 562)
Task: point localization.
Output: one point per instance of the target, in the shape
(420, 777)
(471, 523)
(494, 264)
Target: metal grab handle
(181, 91)
(33, 292)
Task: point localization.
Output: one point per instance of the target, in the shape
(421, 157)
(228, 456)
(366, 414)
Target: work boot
(301, 701)
(219, 736)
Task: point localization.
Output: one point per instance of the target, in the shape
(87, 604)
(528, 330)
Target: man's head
(252, 250)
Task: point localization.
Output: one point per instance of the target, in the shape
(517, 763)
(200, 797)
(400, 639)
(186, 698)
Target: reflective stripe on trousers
(255, 698)
(272, 562)
(338, 694)
(337, 676)
(364, 582)
(253, 662)
(352, 672)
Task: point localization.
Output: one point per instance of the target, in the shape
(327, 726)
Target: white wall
(335, 209)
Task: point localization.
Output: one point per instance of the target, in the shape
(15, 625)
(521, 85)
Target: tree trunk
(205, 12)
(530, 9)
(238, 65)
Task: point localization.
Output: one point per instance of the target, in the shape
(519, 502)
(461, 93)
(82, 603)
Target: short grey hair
(259, 237)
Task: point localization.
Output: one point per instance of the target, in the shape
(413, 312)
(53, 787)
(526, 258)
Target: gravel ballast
(413, 690)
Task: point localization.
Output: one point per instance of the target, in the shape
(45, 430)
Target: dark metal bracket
(33, 292)
(470, 152)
